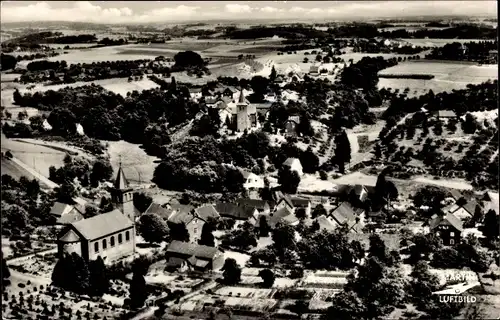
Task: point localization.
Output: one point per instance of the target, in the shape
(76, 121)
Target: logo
(445, 298)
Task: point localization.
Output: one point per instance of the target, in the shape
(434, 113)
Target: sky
(193, 11)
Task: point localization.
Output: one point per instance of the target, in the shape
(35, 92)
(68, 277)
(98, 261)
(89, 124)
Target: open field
(138, 166)
(448, 76)
(437, 42)
(38, 157)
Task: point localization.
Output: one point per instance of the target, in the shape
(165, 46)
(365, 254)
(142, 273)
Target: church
(110, 235)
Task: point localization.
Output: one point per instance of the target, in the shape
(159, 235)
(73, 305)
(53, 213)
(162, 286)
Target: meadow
(447, 76)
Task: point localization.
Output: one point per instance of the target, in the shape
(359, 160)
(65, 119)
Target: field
(138, 166)
(40, 158)
(437, 42)
(448, 76)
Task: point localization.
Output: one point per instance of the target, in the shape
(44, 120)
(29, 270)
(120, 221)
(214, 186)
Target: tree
(273, 74)
(283, 237)
(304, 126)
(231, 272)
(152, 228)
(491, 226)
(138, 290)
(188, 59)
(378, 250)
(289, 180)
(267, 278)
(470, 124)
(342, 150)
(263, 227)
(66, 192)
(90, 211)
(101, 170)
(319, 210)
(300, 213)
(207, 238)
(71, 273)
(7, 62)
(142, 201)
(422, 283)
(99, 280)
(309, 161)
(178, 231)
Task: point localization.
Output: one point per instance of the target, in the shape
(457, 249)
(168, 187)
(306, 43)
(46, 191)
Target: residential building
(109, 235)
(281, 216)
(262, 206)
(491, 202)
(294, 165)
(156, 208)
(301, 203)
(193, 219)
(314, 70)
(66, 213)
(251, 180)
(347, 216)
(194, 256)
(448, 228)
(326, 223)
(234, 211)
(283, 201)
(122, 195)
(445, 114)
(463, 209)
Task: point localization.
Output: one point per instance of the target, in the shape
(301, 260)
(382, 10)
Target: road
(34, 173)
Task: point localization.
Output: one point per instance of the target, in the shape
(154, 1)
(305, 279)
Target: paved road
(34, 173)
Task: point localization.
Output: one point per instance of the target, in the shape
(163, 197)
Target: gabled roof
(245, 173)
(179, 217)
(446, 114)
(156, 208)
(455, 194)
(314, 69)
(191, 249)
(343, 213)
(206, 212)
(254, 203)
(290, 161)
(235, 211)
(181, 207)
(300, 202)
(326, 223)
(279, 216)
(121, 182)
(448, 219)
(102, 224)
(194, 90)
(283, 197)
(73, 216)
(59, 209)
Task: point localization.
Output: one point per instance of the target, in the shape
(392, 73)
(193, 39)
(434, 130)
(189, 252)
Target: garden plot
(312, 183)
(278, 282)
(325, 281)
(243, 292)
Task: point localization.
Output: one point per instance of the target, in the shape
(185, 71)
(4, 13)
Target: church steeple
(122, 194)
(121, 182)
(241, 99)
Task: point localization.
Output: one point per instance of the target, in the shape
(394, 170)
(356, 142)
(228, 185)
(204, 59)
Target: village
(263, 172)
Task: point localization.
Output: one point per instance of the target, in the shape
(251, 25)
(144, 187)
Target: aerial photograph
(249, 160)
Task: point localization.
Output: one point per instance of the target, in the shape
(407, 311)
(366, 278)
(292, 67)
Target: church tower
(122, 195)
(242, 118)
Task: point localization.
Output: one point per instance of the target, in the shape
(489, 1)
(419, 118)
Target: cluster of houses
(112, 235)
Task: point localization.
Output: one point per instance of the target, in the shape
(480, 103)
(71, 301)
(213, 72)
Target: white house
(294, 165)
(252, 181)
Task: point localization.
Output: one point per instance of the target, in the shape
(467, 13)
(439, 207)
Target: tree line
(470, 51)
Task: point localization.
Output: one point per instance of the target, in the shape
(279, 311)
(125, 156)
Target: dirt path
(62, 147)
(35, 174)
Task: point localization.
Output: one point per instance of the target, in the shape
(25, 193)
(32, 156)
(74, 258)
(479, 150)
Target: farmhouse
(463, 209)
(283, 201)
(234, 211)
(197, 257)
(252, 181)
(326, 223)
(448, 228)
(262, 206)
(109, 235)
(294, 165)
(195, 93)
(66, 214)
(194, 219)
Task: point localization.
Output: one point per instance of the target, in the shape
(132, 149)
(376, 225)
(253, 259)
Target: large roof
(235, 211)
(156, 208)
(191, 249)
(206, 212)
(102, 224)
(344, 213)
(59, 209)
(449, 219)
(300, 202)
(255, 203)
(290, 161)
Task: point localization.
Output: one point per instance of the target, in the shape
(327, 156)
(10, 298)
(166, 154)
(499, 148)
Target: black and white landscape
(250, 160)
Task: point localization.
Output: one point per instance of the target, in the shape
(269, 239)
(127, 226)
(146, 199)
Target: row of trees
(470, 51)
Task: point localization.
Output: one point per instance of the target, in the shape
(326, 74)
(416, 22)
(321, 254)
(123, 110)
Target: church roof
(102, 224)
(242, 98)
(121, 182)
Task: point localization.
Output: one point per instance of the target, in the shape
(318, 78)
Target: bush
(323, 175)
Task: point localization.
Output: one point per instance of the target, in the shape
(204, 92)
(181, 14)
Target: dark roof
(121, 182)
(242, 99)
(58, 209)
(188, 249)
(343, 213)
(300, 202)
(279, 216)
(102, 224)
(234, 211)
(206, 212)
(73, 216)
(255, 203)
(281, 196)
(194, 90)
(448, 219)
(179, 217)
(181, 207)
(314, 69)
(156, 208)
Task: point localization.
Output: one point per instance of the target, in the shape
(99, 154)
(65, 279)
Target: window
(112, 241)
(104, 244)
(452, 242)
(452, 234)
(96, 246)
(120, 238)
(438, 233)
(127, 236)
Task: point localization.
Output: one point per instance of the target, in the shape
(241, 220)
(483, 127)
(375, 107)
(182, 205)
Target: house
(262, 206)
(123, 195)
(291, 125)
(156, 208)
(66, 213)
(195, 256)
(445, 114)
(448, 228)
(279, 79)
(347, 216)
(229, 92)
(283, 201)
(234, 211)
(463, 209)
(195, 93)
(193, 219)
(314, 70)
(326, 223)
(109, 235)
(252, 181)
(294, 165)
(491, 202)
(280, 216)
(301, 203)
(493, 56)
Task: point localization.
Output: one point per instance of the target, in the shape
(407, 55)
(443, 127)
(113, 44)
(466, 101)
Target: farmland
(448, 76)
